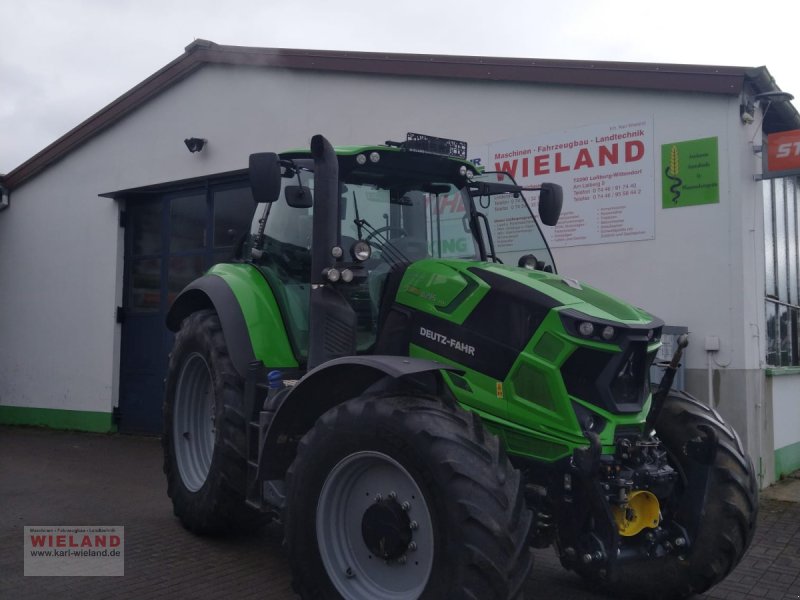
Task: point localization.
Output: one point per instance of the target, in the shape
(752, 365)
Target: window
(782, 250)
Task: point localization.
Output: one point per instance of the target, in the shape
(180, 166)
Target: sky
(63, 60)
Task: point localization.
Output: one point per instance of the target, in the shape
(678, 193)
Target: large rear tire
(404, 497)
(204, 436)
(728, 515)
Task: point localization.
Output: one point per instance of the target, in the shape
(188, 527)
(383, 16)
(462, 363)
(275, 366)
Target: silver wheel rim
(357, 482)
(193, 422)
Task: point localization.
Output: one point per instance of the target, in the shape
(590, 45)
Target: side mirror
(265, 176)
(299, 196)
(551, 198)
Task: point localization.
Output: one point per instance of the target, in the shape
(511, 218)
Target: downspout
(710, 377)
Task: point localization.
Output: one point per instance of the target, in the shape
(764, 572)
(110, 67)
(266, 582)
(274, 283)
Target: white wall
(60, 250)
(58, 263)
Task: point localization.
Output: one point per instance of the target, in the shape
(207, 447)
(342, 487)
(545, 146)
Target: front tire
(403, 497)
(728, 515)
(204, 438)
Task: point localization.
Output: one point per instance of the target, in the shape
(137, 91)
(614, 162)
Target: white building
(704, 260)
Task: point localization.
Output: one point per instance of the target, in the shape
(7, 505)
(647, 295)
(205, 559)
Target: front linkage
(609, 509)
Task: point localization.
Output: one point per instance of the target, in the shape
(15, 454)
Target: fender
(251, 320)
(291, 414)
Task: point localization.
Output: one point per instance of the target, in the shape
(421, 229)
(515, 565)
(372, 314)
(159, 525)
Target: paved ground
(60, 478)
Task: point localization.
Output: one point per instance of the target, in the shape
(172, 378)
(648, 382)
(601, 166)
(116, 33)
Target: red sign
(783, 151)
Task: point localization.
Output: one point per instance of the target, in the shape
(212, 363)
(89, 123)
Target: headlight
(585, 326)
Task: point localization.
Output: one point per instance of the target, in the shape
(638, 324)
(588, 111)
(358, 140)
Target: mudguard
(293, 413)
(251, 320)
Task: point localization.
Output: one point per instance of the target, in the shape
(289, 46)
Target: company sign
(782, 154)
(606, 171)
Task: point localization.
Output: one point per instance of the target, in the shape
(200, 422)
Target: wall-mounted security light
(766, 99)
(195, 144)
(4, 198)
(747, 110)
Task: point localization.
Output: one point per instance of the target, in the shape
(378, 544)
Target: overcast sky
(63, 60)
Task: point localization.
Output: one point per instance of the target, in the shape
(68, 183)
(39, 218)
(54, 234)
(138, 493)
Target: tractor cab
(354, 218)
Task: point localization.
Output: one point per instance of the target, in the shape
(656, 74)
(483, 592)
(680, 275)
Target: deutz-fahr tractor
(417, 414)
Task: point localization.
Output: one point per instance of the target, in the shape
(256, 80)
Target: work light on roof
(374, 157)
(361, 159)
(465, 172)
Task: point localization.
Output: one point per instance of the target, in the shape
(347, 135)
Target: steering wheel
(403, 233)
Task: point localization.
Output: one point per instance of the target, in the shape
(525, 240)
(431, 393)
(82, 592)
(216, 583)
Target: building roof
(645, 76)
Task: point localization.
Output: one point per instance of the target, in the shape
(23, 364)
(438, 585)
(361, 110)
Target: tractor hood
(449, 286)
(574, 294)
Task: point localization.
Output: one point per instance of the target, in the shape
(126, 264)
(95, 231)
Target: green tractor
(419, 415)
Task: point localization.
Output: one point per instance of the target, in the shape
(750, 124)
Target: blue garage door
(171, 237)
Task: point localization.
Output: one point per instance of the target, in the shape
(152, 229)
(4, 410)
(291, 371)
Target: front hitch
(582, 491)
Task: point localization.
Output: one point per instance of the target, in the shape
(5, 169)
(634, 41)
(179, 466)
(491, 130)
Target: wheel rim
(193, 422)
(345, 521)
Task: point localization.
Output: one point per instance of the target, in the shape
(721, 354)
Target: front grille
(617, 382)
